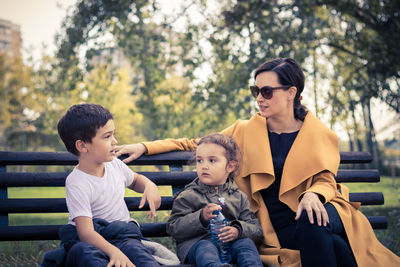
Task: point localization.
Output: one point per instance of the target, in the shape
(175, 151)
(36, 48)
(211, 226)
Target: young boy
(95, 193)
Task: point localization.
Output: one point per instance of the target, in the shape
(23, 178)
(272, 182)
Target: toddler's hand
(208, 211)
(228, 233)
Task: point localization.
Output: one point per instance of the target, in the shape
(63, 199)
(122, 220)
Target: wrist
(144, 148)
(203, 220)
(238, 226)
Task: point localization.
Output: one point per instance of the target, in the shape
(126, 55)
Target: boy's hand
(208, 211)
(228, 233)
(119, 259)
(133, 150)
(152, 196)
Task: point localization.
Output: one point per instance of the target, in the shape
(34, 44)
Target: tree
(371, 39)
(18, 103)
(154, 50)
(350, 37)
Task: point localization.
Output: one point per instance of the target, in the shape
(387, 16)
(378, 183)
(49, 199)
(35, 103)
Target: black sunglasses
(266, 91)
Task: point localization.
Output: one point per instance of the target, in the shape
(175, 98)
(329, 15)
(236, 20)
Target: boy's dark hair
(81, 122)
(232, 150)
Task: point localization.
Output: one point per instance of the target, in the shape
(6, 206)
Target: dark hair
(81, 122)
(232, 150)
(289, 73)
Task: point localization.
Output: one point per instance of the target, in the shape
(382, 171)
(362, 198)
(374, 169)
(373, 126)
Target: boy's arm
(142, 184)
(86, 232)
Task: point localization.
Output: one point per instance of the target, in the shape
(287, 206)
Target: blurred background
(183, 67)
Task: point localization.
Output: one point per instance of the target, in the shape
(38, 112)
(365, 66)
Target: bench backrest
(175, 177)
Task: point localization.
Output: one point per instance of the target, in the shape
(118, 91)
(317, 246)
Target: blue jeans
(243, 252)
(86, 255)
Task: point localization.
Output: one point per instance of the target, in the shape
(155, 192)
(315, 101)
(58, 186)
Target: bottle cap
(216, 212)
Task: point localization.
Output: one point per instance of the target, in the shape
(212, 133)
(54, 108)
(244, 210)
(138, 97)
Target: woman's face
(281, 103)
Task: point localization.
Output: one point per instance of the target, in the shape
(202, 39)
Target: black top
(280, 214)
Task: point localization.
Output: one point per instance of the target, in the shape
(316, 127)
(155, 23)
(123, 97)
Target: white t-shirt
(99, 197)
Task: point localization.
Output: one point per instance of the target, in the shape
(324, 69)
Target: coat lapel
(315, 149)
(257, 154)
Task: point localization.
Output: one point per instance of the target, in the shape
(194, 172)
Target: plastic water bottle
(216, 224)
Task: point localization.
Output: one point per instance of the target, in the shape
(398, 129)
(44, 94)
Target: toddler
(217, 161)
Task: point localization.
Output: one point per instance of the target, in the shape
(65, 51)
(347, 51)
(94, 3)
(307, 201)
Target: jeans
(243, 252)
(319, 245)
(86, 255)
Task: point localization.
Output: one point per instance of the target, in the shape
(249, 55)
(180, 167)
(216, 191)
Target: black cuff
(238, 226)
(203, 221)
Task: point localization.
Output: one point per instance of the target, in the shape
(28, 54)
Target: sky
(40, 20)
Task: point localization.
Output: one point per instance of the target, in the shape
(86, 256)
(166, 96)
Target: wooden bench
(175, 177)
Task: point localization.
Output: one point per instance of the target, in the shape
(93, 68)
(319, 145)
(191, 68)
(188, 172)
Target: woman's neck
(284, 125)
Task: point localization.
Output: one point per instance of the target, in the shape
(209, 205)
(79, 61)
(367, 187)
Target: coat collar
(229, 186)
(315, 149)
(257, 158)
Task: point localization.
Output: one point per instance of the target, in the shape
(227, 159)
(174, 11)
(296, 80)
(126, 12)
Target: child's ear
(81, 146)
(231, 166)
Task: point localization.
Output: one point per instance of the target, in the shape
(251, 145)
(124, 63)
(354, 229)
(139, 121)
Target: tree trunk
(351, 143)
(315, 85)
(355, 124)
(373, 136)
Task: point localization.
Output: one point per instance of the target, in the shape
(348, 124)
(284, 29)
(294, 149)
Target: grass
(388, 186)
(391, 209)
(30, 253)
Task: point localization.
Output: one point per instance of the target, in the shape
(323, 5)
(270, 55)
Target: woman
(289, 162)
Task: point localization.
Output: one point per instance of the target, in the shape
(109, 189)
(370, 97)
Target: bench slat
(48, 179)
(50, 232)
(65, 158)
(169, 158)
(370, 198)
(355, 157)
(355, 176)
(49, 205)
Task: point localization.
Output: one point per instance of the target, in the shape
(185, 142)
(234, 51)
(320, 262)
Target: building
(10, 38)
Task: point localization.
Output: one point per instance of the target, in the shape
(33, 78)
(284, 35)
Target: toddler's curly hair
(232, 150)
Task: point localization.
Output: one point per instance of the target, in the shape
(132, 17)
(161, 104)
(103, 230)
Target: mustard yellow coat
(309, 166)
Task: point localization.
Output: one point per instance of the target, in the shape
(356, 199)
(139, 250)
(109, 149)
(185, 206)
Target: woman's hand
(208, 211)
(228, 234)
(311, 202)
(133, 150)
